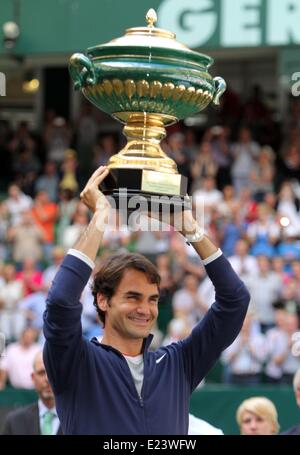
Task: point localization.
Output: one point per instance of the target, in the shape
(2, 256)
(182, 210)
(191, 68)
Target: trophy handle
(82, 71)
(220, 89)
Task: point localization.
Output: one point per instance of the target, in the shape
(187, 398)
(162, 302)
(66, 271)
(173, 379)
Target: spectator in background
(26, 229)
(262, 173)
(264, 232)
(289, 163)
(57, 137)
(73, 232)
(49, 273)
(39, 418)
(221, 154)
(48, 181)
(244, 153)
(247, 206)
(106, 146)
(32, 308)
(288, 361)
(276, 345)
(70, 172)
(257, 416)
(26, 169)
(230, 201)
(4, 224)
(246, 355)
(66, 210)
(187, 303)
(117, 234)
(30, 276)
(16, 364)
(296, 385)
(241, 261)
(16, 203)
(295, 269)
(265, 288)
(177, 329)
(86, 135)
(177, 152)
(44, 213)
(232, 229)
(208, 194)
(11, 291)
(203, 165)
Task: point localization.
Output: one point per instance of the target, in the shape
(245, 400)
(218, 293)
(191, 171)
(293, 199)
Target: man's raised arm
(222, 323)
(62, 318)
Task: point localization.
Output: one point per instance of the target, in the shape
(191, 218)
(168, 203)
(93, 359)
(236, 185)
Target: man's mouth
(139, 320)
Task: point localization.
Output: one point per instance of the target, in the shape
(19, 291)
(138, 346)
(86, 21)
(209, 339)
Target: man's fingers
(101, 176)
(97, 177)
(98, 172)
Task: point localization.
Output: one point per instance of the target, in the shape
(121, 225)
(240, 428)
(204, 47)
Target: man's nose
(143, 308)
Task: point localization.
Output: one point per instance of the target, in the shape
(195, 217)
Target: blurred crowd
(244, 168)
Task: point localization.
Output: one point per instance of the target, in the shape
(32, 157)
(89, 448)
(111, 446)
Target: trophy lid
(151, 37)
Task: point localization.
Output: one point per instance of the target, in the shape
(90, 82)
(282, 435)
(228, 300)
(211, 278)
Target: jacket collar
(146, 343)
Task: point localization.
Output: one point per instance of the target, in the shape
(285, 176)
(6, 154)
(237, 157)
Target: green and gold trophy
(146, 80)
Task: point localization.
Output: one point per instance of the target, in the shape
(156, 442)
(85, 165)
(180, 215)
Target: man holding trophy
(117, 386)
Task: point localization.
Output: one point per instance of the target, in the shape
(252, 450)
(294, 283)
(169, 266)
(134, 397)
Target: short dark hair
(111, 272)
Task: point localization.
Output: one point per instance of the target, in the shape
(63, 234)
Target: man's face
(40, 380)
(133, 310)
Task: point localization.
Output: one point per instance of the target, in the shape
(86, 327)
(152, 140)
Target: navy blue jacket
(93, 386)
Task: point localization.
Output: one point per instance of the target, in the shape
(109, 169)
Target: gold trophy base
(141, 173)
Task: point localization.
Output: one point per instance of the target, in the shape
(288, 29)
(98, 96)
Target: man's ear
(102, 301)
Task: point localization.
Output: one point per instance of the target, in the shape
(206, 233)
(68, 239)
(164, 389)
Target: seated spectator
(257, 416)
(16, 364)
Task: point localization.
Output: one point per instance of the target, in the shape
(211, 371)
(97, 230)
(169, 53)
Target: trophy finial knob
(151, 17)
